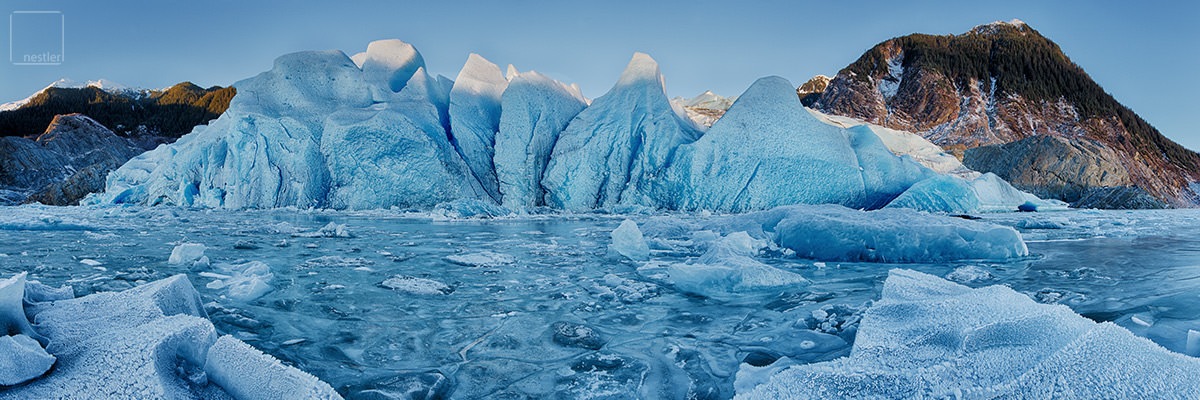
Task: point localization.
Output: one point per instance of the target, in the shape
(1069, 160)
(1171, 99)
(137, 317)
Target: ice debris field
(791, 302)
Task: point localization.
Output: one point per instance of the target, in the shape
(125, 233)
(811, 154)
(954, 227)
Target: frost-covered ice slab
(931, 338)
(152, 341)
(836, 233)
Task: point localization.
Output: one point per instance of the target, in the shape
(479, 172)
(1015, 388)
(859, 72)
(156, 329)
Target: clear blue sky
(1146, 53)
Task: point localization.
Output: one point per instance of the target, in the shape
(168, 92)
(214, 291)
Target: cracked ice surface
(537, 307)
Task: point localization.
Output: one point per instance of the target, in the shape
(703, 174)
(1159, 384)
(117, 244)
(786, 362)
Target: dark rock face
(1004, 83)
(1085, 173)
(62, 165)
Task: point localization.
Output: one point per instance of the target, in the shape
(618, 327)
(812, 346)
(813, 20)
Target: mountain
(704, 109)
(1003, 92)
(324, 130)
(810, 91)
(168, 113)
(63, 164)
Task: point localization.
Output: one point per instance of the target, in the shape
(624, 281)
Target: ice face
(390, 63)
(767, 151)
(613, 150)
(475, 118)
(1000, 342)
(536, 109)
(322, 130)
(12, 309)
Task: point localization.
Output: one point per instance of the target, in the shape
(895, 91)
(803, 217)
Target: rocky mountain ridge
(1002, 83)
(59, 167)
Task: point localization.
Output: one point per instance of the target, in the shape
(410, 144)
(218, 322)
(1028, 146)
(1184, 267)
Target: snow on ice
(152, 341)
(927, 337)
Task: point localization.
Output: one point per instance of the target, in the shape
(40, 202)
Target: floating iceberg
(243, 282)
(153, 341)
(952, 194)
(186, 253)
(728, 268)
(836, 233)
(628, 242)
(931, 338)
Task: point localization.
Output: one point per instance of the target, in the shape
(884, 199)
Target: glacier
(475, 118)
(611, 152)
(377, 130)
(767, 151)
(535, 110)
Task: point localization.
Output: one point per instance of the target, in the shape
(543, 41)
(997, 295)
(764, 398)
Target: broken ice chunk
(22, 359)
(627, 240)
(186, 253)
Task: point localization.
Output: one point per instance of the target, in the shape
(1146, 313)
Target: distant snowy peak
(995, 27)
(66, 83)
(704, 109)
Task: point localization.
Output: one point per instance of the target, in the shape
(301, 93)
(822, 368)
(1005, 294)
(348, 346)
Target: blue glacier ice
(611, 153)
(293, 138)
(928, 337)
(394, 154)
(985, 193)
(767, 151)
(323, 130)
(837, 233)
(475, 118)
(942, 193)
(536, 109)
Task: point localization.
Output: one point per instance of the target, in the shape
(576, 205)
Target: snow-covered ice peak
(641, 68)
(390, 61)
(511, 72)
(480, 77)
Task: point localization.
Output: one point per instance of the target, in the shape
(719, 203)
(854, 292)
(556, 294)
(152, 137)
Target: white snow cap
(641, 68)
(482, 77)
(391, 60)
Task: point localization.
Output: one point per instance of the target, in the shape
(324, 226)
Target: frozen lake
(536, 307)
